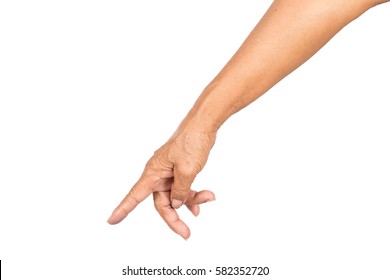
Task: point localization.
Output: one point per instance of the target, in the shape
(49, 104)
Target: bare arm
(290, 32)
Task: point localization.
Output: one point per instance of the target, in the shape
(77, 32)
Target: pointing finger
(137, 194)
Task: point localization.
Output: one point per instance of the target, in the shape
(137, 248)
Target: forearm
(290, 32)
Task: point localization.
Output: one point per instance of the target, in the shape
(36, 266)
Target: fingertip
(186, 235)
(176, 203)
(111, 219)
(116, 217)
(194, 209)
(181, 229)
(200, 197)
(210, 197)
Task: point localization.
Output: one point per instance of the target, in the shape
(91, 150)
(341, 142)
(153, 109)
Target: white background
(89, 89)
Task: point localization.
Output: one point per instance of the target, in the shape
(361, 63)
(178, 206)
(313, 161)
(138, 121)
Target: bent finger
(195, 209)
(163, 206)
(194, 197)
(181, 186)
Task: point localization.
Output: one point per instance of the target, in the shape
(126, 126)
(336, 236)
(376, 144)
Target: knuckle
(187, 172)
(158, 162)
(157, 205)
(157, 202)
(133, 195)
(180, 191)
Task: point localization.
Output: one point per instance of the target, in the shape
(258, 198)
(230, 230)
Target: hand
(169, 175)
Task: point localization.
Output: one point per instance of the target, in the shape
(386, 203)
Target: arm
(288, 35)
(290, 32)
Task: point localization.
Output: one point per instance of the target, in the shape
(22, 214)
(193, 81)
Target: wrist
(213, 107)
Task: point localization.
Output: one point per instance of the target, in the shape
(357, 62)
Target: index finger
(138, 193)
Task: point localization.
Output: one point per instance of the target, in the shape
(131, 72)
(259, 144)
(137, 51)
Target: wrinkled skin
(168, 175)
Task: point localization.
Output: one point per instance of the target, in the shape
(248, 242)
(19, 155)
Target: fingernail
(213, 199)
(176, 203)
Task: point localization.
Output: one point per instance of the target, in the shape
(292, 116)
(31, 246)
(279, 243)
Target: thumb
(183, 178)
